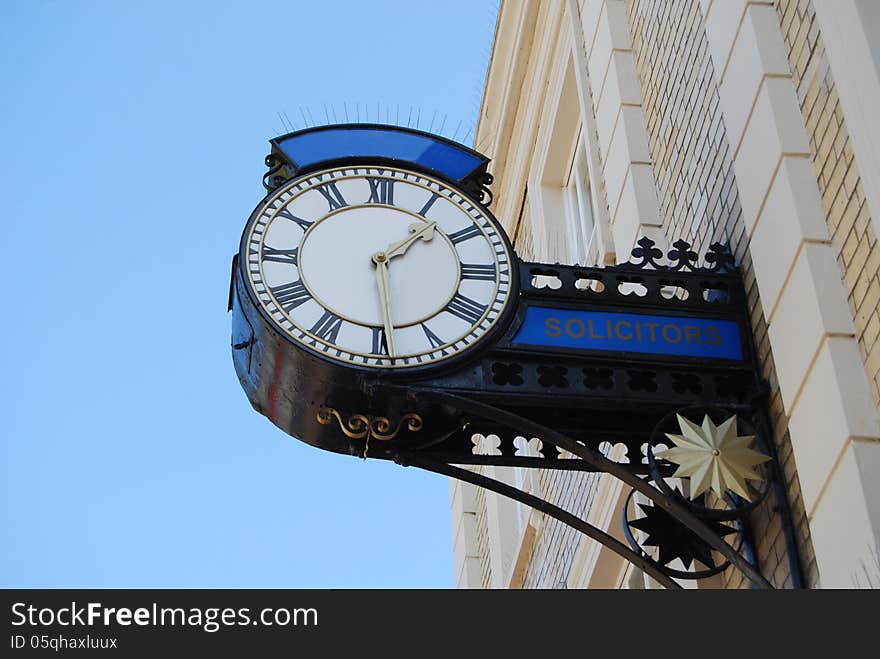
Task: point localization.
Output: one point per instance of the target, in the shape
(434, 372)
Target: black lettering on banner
(465, 308)
(464, 234)
(327, 327)
(288, 256)
(478, 272)
(332, 195)
(381, 191)
(287, 215)
(290, 296)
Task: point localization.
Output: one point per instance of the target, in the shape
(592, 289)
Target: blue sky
(133, 137)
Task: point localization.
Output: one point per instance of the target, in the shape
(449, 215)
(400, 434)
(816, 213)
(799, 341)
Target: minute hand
(418, 230)
(385, 304)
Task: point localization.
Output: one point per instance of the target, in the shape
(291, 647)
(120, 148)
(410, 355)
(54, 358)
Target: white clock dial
(377, 266)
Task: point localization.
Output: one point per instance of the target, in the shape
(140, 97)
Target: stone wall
(700, 201)
(837, 174)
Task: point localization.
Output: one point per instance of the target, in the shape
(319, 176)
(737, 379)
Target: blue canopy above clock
(319, 146)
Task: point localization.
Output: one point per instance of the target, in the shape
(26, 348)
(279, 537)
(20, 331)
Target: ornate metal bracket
(477, 186)
(571, 433)
(272, 179)
(682, 257)
(555, 407)
(705, 532)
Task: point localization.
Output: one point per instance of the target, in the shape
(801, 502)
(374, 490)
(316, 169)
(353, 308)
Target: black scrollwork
(485, 195)
(272, 179)
(477, 186)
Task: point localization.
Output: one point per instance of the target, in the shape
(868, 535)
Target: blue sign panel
(629, 332)
(309, 147)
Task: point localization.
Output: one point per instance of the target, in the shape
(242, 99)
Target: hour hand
(422, 230)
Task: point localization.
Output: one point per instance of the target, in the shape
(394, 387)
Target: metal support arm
(415, 460)
(595, 459)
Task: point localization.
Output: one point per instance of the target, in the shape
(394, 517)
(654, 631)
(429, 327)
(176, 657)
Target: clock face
(377, 267)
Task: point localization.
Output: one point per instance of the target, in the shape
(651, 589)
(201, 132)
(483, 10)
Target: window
(579, 208)
(566, 208)
(561, 224)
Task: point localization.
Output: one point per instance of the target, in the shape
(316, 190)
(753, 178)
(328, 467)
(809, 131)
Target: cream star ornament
(713, 456)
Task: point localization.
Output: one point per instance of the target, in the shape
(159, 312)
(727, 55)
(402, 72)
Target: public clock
(378, 267)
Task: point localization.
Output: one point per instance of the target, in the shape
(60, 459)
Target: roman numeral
(380, 344)
(332, 195)
(287, 215)
(381, 191)
(327, 327)
(290, 296)
(465, 234)
(478, 272)
(465, 308)
(428, 204)
(288, 256)
(433, 339)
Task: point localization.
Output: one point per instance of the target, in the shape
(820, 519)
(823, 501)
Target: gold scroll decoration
(359, 426)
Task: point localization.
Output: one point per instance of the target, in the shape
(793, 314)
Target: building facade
(733, 121)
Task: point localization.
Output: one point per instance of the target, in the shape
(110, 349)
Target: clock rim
(502, 322)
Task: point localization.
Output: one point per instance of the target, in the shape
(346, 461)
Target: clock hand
(381, 259)
(382, 282)
(416, 231)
